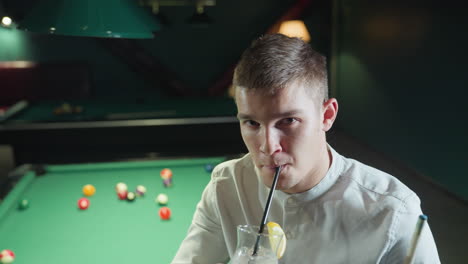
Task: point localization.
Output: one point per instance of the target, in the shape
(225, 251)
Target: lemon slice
(277, 238)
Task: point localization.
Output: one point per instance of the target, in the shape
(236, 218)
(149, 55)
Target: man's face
(284, 129)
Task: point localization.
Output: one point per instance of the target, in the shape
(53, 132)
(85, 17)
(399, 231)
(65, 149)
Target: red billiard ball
(165, 213)
(83, 203)
(7, 256)
(122, 195)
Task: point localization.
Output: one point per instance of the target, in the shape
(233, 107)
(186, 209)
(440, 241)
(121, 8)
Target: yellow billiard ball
(89, 190)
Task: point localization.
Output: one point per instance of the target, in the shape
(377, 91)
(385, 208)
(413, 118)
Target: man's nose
(270, 141)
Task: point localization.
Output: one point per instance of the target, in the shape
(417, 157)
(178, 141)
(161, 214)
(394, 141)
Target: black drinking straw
(267, 209)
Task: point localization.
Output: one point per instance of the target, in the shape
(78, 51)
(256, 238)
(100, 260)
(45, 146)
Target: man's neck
(316, 174)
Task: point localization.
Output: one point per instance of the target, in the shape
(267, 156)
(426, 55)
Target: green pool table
(54, 230)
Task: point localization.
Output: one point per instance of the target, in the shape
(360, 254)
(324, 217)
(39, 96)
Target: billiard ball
(167, 182)
(121, 187)
(140, 190)
(162, 199)
(122, 195)
(67, 108)
(83, 203)
(7, 256)
(209, 167)
(23, 204)
(89, 190)
(77, 109)
(166, 174)
(130, 196)
(165, 213)
(58, 111)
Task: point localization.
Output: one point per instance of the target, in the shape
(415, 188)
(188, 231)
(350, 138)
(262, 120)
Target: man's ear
(329, 113)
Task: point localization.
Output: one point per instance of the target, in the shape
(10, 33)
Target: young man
(332, 209)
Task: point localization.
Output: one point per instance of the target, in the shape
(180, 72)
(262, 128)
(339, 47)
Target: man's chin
(280, 185)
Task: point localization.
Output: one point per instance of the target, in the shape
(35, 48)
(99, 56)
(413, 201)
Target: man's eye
(252, 123)
(288, 121)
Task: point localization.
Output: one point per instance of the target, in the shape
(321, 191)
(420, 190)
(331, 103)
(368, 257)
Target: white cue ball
(121, 187)
(162, 199)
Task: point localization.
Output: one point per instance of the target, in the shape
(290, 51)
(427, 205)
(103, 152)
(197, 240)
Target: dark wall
(401, 83)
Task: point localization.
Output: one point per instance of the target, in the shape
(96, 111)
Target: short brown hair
(275, 61)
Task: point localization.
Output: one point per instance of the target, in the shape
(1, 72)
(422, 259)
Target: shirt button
(291, 201)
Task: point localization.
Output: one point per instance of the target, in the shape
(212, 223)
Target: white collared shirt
(356, 214)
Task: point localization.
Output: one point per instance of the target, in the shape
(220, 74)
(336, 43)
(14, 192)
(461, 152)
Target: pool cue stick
(414, 242)
(14, 109)
(267, 208)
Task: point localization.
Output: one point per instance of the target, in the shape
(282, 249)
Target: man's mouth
(273, 167)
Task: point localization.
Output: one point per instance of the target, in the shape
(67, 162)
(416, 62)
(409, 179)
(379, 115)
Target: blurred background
(89, 82)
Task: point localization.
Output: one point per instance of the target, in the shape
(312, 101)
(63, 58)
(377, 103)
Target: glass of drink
(267, 246)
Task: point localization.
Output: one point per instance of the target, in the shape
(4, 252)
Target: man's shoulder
(232, 177)
(376, 184)
(233, 167)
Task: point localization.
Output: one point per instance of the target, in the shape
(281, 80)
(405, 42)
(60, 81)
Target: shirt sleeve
(402, 231)
(204, 243)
